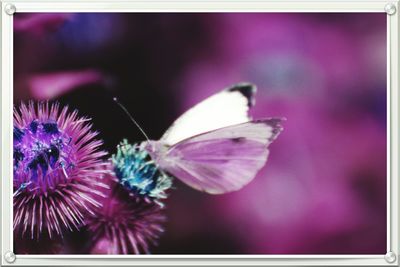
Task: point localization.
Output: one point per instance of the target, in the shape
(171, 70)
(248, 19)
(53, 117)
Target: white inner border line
(196, 7)
(388, 135)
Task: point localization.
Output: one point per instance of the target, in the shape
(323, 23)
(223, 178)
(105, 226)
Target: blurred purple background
(323, 189)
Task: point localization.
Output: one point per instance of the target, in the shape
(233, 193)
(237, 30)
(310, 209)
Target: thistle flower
(138, 173)
(125, 223)
(57, 166)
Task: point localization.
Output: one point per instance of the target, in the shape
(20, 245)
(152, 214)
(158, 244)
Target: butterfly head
(156, 149)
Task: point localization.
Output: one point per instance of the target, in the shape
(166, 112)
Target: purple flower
(125, 223)
(57, 167)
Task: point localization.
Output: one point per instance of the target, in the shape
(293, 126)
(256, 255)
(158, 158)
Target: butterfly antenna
(130, 116)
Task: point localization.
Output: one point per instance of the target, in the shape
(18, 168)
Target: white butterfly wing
(228, 107)
(222, 160)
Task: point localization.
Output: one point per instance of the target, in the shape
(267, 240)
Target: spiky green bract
(137, 172)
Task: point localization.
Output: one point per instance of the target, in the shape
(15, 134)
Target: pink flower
(51, 85)
(125, 223)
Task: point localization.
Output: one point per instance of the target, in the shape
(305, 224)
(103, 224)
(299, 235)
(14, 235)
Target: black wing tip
(248, 90)
(273, 121)
(275, 124)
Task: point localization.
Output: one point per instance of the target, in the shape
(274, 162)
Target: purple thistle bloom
(57, 167)
(125, 223)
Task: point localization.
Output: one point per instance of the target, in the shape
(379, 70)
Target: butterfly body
(159, 153)
(215, 146)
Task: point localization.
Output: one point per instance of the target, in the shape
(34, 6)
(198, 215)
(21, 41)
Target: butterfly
(215, 146)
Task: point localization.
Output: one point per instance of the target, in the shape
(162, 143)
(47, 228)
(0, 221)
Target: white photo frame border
(391, 8)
